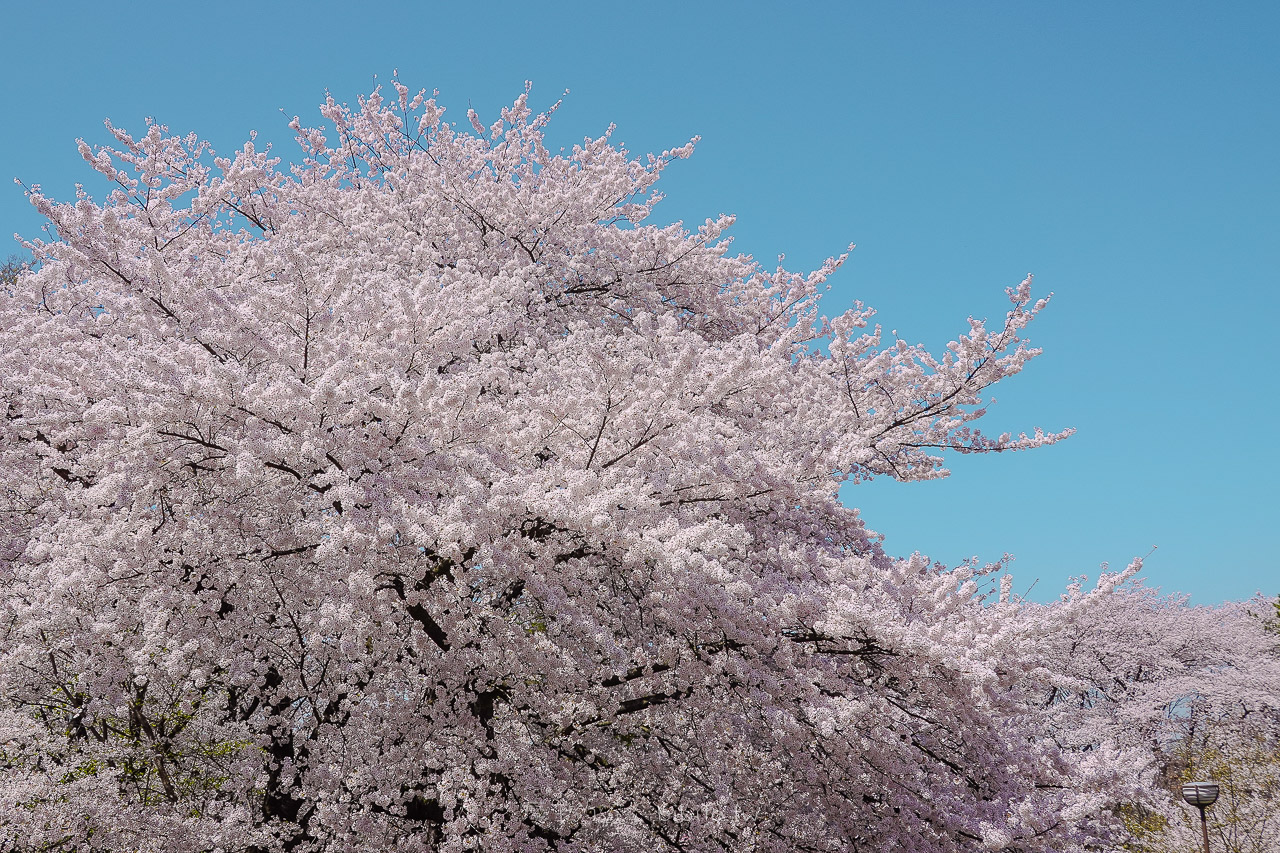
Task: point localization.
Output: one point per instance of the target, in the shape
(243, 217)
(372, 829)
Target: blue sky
(1125, 153)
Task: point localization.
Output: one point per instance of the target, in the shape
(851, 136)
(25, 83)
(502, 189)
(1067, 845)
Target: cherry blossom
(423, 495)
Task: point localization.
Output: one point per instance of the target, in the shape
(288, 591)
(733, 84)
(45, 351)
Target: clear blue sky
(1125, 153)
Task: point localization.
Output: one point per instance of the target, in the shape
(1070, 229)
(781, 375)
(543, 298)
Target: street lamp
(1201, 795)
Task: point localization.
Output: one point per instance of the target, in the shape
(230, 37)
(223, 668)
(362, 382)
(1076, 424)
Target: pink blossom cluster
(422, 496)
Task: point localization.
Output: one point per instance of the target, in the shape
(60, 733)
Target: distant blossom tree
(424, 497)
(1178, 693)
(1225, 728)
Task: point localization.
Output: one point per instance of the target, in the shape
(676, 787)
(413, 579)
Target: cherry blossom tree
(1242, 756)
(423, 496)
(1231, 736)
(1174, 693)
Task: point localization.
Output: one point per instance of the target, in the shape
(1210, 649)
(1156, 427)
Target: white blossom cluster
(423, 497)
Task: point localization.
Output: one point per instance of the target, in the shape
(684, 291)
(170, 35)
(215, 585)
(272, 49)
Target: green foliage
(10, 270)
(162, 760)
(1146, 829)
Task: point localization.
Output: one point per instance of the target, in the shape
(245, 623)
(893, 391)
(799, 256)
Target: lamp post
(1201, 795)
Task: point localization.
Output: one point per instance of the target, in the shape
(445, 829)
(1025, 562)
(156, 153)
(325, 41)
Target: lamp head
(1200, 794)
